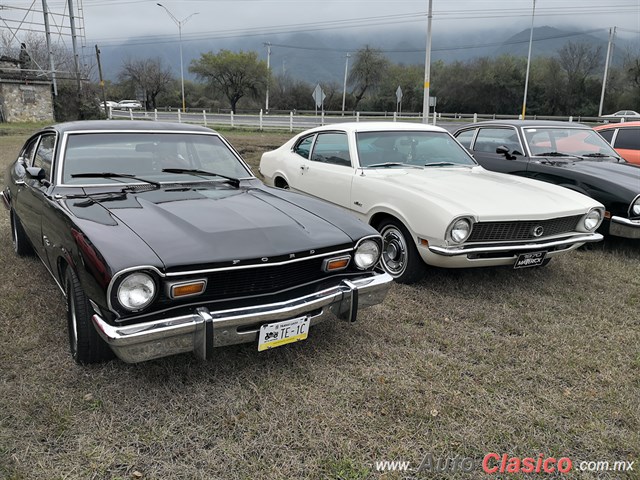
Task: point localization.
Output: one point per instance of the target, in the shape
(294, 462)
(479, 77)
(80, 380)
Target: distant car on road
(623, 114)
(129, 105)
(624, 137)
(430, 200)
(566, 154)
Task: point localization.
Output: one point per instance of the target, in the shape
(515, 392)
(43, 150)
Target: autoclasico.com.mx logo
(495, 463)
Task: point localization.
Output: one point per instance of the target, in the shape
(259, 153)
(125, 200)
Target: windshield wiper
(195, 171)
(554, 154)
(440, 164)
(114, 175)
(391, 164)
(597, 155)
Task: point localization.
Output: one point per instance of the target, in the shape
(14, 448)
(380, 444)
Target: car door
(328, 171)
(31, 198)
(488, 139)
(627, 143)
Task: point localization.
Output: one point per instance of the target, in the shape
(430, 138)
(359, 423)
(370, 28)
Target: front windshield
(145, 155)
(569, 141)
(416, 148)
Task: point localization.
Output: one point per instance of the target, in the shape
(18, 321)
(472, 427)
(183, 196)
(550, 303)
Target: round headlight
(367, 254)
(460, 230)
(136, 291)
(635, 208)
(592, 220)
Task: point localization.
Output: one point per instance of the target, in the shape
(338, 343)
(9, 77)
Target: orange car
(624, 137)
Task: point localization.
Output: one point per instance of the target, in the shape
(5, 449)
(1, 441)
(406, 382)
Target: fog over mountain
(320, 56)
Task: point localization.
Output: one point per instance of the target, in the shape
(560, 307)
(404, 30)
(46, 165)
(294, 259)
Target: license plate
(533, 259)
(277, 334)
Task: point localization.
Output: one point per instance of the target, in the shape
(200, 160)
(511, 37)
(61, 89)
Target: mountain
(320, 56)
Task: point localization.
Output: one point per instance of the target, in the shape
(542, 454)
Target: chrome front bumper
(203, 330)
(456, 250)
(624, 227)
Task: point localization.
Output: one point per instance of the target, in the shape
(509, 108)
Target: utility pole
(612, 34)
(266, 103)
(104, 97)
(74, 43)
(344, 86)
(427, 67)
(47, 31)
(526, 80)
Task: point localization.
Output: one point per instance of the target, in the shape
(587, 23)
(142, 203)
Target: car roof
(617, 125)
(126, 125)
(379, 127)
(530, 123)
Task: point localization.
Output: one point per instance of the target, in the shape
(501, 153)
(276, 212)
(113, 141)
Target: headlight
(367, 254)
(592, 220)
(136, 291)
(635, 208)
(460, 230)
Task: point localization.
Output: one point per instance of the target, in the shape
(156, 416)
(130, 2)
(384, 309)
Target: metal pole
(526, 80)
(104, 97)
(47, 30)
(266, 103)
(612, 33)
(427, 67)
(344, 85)
(74, 45)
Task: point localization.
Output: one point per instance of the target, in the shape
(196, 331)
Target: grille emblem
(538, 231)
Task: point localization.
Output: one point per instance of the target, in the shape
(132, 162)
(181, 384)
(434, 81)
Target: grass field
(468, 362)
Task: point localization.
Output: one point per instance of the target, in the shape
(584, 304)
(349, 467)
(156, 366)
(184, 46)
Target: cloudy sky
(115, 21)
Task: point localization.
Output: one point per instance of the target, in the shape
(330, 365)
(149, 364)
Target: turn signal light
(335, 264)
(187, 289)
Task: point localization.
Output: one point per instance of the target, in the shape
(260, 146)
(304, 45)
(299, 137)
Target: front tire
(400, 257)
(21, 244)
(85, 343)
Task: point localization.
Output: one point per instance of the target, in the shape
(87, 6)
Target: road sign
(398, 94)
(319, 96)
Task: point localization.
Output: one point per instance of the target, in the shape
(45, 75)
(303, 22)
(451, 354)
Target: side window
(607, 134)
(332, 148)
(465, 138)
(489, 139)
(44, 154)
(303, 148)
(628, 138)
(27, 152)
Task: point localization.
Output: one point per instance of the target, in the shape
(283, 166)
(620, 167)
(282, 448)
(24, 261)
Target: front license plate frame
(530, 259)
(276, 334)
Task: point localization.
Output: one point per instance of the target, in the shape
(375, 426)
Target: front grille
(522, 230)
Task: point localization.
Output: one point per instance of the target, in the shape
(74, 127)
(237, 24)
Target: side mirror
(504, 150)
(36, 173)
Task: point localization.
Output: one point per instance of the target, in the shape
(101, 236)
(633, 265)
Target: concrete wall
(26, 102)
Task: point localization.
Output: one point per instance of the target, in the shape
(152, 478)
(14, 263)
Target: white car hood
(488, 196)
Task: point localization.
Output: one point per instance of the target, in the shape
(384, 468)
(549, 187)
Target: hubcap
(73, 327)
(394, 253)
(15, 235)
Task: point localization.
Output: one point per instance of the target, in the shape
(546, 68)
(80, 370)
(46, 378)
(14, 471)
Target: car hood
(221, 224)
(622, 175)
(489, 196)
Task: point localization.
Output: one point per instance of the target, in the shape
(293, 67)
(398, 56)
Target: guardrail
(307, 119)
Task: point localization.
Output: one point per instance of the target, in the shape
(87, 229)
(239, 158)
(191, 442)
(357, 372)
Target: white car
(430, 200)
(129, 105)
(623, 114)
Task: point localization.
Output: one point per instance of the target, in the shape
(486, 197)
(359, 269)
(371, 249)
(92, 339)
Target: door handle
(304, 168)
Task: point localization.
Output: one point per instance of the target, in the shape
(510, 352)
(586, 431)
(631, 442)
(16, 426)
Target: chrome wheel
(394, 251)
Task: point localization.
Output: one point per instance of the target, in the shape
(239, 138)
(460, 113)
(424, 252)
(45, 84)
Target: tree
(369, 69)
(149, 75)
(236, 74)
(579, 61)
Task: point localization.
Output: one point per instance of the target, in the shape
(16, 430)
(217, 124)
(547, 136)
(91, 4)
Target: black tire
(281, 183)
(400, 257)
(21, 244)
(85, 343)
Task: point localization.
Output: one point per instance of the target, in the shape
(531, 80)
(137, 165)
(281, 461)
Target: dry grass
(465, 363)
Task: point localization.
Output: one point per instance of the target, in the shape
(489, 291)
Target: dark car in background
(163, 242)
(563, 153)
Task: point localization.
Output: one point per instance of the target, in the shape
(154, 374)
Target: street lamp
(179, 23)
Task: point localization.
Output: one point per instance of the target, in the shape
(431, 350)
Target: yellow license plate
(277, 334)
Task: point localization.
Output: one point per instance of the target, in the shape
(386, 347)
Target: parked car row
(121, 105)
(163, 241)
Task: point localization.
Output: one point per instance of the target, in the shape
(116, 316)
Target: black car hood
(624, 175)
(199, 226)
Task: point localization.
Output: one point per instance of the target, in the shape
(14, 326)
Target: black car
(163, 242)
(564, 153)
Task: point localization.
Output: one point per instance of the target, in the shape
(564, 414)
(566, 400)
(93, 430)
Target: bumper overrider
(203, 330)
(624, 227)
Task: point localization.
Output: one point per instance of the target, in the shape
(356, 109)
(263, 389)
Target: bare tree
(368, 71)
(579, 61)
(150, 75)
